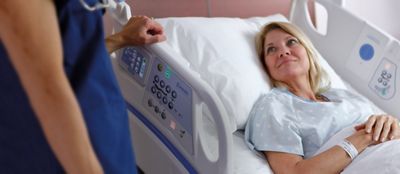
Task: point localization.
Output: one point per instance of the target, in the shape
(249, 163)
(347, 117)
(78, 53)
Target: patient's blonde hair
(319, 80)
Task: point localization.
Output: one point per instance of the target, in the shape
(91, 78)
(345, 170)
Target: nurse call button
(366, 52)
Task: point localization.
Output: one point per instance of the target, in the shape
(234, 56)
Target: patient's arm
(333, 160)
(383, 127)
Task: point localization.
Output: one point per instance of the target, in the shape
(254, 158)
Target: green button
(160, 67)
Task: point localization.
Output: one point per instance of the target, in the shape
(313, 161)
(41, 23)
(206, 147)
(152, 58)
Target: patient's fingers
(370, 123)
(359, 127)
(386, 128)
(394, 133)
(378, 127)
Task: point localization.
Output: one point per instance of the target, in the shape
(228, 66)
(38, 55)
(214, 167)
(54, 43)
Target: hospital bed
(189, 97)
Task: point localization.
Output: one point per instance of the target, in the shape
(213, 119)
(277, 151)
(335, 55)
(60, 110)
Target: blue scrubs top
(23, 147)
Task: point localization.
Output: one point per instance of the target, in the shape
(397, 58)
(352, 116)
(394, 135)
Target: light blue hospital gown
(283, 122)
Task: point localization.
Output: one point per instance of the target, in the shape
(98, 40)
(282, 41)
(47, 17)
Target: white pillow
(222, 51)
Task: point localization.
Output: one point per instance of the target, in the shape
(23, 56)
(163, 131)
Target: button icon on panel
(174, 94)
(366, 52)
(168, 89)
(165, 100)
(159, 95)
(160, 67)
(170, 105)
(156, 79)
(162, 83)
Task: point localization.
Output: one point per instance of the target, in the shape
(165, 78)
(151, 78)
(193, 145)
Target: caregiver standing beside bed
(295, 119)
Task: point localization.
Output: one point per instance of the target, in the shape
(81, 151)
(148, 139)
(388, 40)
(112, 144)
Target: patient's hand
(383, 127)
(361, 140)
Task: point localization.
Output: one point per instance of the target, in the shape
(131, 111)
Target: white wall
(210, 8)
(384, 14)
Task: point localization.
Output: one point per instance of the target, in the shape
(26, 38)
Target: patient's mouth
(286, 60)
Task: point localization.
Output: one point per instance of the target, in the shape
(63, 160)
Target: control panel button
(170, 105)
(163, 115)
(174, 94)
(165, 100)
(159, 95)
(156, 78)
(182, 133)
(150, 102)
(160, 67)
(157, 109)
(366, 52)
(162, 84)
(153, 89)
(168, 89)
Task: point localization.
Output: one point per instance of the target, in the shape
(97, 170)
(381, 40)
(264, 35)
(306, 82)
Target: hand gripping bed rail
(224, 163)
(362, 54)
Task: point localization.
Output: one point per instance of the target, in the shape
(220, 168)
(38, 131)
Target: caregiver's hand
(383, 127)
(140, 30)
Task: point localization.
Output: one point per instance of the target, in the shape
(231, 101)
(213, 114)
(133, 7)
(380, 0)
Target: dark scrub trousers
(23, 147)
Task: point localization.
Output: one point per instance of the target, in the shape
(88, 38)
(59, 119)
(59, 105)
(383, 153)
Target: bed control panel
(170, 99)
(383, 81)
(135, 62)
(367, 52)
(167, 97)
(374, 60)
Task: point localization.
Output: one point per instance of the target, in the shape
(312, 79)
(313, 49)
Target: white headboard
(361, 53)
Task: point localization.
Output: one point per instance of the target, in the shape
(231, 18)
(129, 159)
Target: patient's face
(285, 57)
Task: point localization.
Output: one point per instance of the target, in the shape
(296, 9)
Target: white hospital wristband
(349, 148)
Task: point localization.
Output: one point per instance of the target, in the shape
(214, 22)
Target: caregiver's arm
(332, 161)
(29, 31)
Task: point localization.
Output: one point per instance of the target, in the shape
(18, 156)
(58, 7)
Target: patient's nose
(284, 52)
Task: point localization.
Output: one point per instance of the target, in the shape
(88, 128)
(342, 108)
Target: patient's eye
(292, 41)
(270, 50)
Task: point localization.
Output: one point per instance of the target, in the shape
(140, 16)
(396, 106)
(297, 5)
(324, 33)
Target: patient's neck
(302, 89)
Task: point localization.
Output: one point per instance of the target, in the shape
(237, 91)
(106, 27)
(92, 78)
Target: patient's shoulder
(336, 94)
(275, 101)
(274, 96)
(340, 93)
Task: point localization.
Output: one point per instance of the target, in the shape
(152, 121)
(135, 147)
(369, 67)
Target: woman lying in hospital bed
(293, 125)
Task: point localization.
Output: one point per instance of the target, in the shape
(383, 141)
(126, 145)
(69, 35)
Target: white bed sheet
(245, 160)
(248, 161)
(382, 158)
